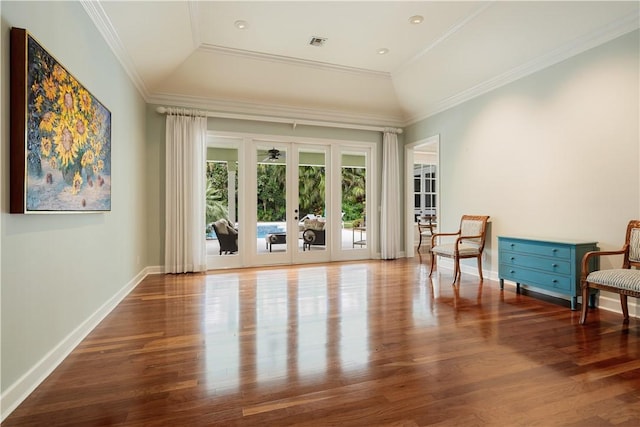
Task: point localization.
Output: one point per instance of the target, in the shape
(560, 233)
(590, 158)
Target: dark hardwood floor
(358, 343)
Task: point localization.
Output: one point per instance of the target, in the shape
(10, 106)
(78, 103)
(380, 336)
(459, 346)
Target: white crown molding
(248, 108)
(450, 32)
(102, 22)
(291, 61)
(596, 38)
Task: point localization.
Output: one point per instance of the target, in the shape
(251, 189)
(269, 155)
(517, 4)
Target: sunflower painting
(68, 140)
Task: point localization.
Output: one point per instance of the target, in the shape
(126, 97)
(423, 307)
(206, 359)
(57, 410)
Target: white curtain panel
(390, 209)
(184, 245)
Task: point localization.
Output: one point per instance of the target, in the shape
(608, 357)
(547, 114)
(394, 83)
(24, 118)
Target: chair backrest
(632, 256)
(220, 227)
(474, 225)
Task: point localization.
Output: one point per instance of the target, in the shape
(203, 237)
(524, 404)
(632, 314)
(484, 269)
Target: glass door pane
(222, 223)
(271, 201)
(354, 200)
(312, 202)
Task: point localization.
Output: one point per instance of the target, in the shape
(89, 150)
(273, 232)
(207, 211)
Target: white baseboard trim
(606, 301)
(155, 269)
(17, 392)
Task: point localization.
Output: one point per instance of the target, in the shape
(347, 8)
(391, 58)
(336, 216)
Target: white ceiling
(189, 53)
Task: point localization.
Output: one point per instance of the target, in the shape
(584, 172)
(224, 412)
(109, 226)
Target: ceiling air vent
(317, 41)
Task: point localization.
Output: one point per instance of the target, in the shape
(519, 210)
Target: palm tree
(353, 192)
(311, 185)
(271, 191)
(216, 206)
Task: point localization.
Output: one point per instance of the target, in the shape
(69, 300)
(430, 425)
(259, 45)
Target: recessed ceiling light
(383, 51)
(241, 25)
(416, 19)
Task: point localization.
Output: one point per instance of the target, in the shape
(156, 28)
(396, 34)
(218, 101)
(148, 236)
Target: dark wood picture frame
(60, 136)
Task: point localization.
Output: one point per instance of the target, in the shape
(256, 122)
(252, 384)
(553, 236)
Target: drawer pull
(554, 265)
(555, 280)
(512, 244)
(511, 271)
(512, 258)
(554, 250)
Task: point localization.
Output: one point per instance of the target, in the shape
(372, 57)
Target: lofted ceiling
(192, 53)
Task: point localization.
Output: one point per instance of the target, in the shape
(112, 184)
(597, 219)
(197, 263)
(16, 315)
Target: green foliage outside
(271, 187)
(353, 193)
(311, 185)
(217, 193)
(271, 192)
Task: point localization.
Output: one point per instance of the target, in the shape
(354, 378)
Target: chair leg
(480, 268)
(420, 242)
(433, 263)
(585, 304)
(625, 308)
(456, 270)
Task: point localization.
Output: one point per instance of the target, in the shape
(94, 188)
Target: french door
(297, 202)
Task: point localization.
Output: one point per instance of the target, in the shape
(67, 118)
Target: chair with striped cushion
(469, 243)
(624, 281)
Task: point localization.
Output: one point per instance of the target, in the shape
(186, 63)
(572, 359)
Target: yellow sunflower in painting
(38, 103)
(87, 158)
(49, 87)
(81, 131)
(59, 73)
(66, 149)
(96, 146)
(77, 183)
(45, 146)
(85, 101)
(47, 121)
(67, 100)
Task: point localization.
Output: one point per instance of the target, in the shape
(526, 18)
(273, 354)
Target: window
(424, 190)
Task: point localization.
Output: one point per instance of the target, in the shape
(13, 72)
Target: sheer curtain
(184, 244)
(390, 208)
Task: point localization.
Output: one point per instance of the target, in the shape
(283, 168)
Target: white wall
(555, 154)
(61, 273)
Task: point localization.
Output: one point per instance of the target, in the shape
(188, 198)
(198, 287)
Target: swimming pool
(262, 229)
(269, 228)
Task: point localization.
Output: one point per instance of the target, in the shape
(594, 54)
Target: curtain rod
(293, 122)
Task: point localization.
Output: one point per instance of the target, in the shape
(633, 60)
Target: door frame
(247, 214)
(410, 229)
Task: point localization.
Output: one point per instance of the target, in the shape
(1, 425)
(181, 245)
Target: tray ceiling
(192, 53)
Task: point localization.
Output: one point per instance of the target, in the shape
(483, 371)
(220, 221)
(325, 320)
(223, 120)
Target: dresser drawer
(534, 277)
(544, 249)
(551, 265)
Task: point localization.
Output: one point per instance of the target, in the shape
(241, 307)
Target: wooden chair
(469, 243)
(624, 281)
(425, 227)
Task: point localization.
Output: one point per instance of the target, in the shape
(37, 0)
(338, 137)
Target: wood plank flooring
(372, 343)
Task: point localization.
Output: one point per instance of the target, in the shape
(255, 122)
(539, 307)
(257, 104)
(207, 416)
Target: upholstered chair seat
(620, 278)
(624, 281)
(469, 243)
(450, 249)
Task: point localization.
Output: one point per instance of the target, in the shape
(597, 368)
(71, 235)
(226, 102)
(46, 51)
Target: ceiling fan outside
(273, 155)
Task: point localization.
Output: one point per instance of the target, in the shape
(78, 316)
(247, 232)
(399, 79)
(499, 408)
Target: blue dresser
(553, 265)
